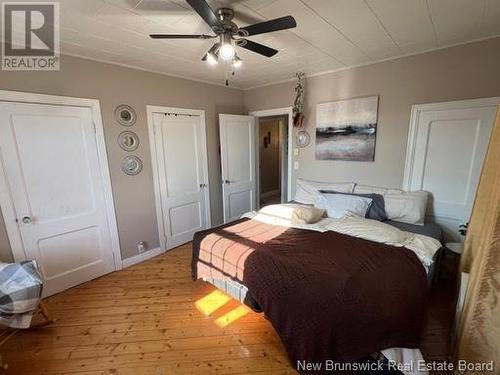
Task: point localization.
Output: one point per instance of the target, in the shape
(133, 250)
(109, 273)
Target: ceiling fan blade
(257, 48)
(282, 23)
(203, 9)
(181, 36)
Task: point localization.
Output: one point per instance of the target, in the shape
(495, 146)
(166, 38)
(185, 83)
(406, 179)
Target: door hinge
(94, 127)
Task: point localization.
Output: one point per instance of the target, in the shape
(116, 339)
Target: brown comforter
(329, 296)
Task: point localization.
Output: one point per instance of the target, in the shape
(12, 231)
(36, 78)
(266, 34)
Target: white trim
(324, 72)
(6, 204)
(416, 111)
(151, 110)
(139, 258)
(279, 112)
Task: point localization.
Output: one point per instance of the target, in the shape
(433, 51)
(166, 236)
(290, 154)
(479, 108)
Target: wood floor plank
(146, 320)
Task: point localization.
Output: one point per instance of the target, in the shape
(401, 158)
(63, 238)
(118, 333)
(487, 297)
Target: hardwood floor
(152, 319)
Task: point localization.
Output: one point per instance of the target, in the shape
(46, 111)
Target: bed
(330, 292)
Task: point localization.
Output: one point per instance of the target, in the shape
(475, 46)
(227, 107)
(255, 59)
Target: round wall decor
(132, 165)
(125, 115)
(303, 138)
(128, 141)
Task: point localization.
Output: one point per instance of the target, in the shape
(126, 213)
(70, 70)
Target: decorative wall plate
(125, 115)
(302, 138)
(132, 165)
(128, 141)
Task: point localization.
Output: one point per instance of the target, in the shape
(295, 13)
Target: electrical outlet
(141, 247)
(295, 165)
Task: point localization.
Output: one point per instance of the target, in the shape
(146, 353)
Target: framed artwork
(347, 129)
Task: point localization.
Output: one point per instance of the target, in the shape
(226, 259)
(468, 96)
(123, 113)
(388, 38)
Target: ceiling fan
(229, 34)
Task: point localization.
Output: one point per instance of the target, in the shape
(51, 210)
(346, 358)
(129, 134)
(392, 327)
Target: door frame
(6, 202)
(289, 154)
(416, 111)
(151, 110)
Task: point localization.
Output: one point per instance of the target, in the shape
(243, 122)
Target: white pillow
(306, 191)
(337, 205)
(295, 212)
(366, 189)
(407, 207)
(404, 206)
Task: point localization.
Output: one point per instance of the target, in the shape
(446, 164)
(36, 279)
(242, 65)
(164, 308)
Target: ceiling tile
(492, 17)
(455, 20)
(120, 17)
(125, 4)
(330, 34)
(357, 22)
(407, 21)
(318, 32)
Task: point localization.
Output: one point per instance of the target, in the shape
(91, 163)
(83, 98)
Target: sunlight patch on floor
(212, 302)
(232, 316)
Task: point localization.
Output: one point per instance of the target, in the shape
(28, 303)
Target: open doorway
(273, 160)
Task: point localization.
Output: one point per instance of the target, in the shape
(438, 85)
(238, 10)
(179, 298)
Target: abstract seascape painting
(346, 129)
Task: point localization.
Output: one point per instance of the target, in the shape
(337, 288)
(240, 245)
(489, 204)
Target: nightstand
(450, 260)
(455, 247)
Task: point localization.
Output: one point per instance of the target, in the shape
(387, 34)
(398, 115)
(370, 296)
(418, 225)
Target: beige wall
(270, 156)
(114, 85)
(467, 71)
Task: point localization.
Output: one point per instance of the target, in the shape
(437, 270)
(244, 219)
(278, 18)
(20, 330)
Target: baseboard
(142, 257)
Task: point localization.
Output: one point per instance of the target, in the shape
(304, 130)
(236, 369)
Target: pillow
(337, 205)
(377, 208)
(406, 207)
(366, 189)
(305, 191)
(403, 206)
(296, 213)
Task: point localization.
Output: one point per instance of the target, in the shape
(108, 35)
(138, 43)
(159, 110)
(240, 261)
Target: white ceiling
(330, 34)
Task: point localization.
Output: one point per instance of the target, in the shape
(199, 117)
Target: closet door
(237, 145)
(448, 143)
(182, 175)
(57, 188)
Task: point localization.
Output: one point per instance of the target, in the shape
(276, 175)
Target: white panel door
(182, 176)
(237, 144)
(448, 153)
(52, 169)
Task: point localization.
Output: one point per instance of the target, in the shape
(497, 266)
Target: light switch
(295, 165)
(295, 152)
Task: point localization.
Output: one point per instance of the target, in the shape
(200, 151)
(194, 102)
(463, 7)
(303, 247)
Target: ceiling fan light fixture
(226, 51)
(237, 62)
(211, 58)
(212, 55)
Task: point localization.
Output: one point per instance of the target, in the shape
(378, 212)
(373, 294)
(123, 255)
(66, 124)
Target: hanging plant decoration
(298, 104)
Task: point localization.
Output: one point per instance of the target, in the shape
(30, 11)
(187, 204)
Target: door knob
(26, 220)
